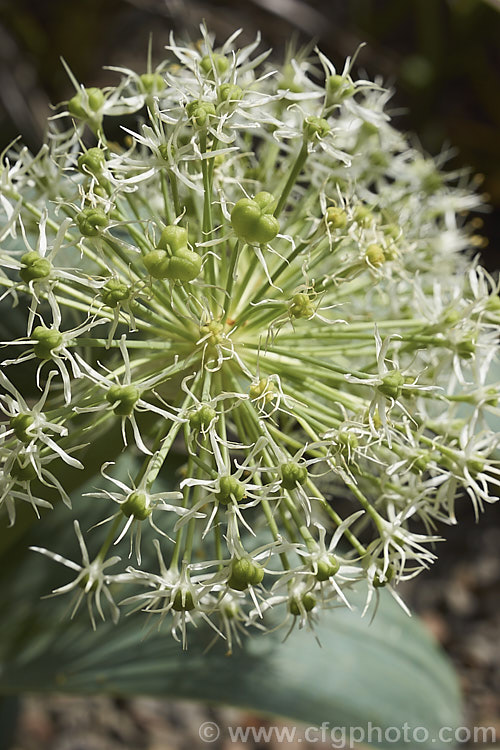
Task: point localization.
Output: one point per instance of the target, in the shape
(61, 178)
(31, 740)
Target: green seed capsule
(151, 83)
(90, 221)
(46, 341)
(327, 567)
(306, 602)
(173, 238)
(202, 417)
(185, 265)
(179, 263)
(183, 601)
(215, 60)
(315, 128)
(20, 423)
(123, 398)
(157, 263)
(230, 489)
(336, 217)
(35, 268)
(245, 572)
(253, 220)
(301, 306)
(92, 160)
(229, 93)
(375, 256)
(199, 112)
(136, 505)
(292, 474)
(23, 472)
(391, 385)
(82, 105)
(114, 292)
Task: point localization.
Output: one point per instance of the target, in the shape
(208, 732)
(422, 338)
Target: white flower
(29, 424)
(91, 579)
(136, 505)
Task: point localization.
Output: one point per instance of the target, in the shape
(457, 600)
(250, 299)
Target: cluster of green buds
(254, 332)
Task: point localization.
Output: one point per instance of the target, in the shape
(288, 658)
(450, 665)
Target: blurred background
(442, 57)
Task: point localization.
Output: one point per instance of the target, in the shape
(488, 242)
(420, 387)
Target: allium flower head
(267, 281)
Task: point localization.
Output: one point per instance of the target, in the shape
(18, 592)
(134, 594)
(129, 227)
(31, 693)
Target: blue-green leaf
(388, 672)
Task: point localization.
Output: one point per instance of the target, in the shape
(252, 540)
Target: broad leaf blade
(389, 672)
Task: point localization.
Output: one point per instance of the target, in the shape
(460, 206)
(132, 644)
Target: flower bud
(253, 220)
(35, 268)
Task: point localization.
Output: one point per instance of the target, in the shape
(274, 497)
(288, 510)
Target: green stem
(230, 277)
(109, 538)
(175, 192)
(292, 178)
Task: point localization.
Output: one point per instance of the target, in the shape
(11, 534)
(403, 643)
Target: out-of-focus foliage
(442, 55)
